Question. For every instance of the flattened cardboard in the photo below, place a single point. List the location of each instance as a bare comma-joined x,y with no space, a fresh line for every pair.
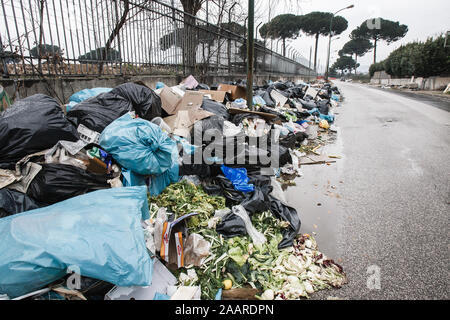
218,96
181,123
190,100
236,91
279,99
312,92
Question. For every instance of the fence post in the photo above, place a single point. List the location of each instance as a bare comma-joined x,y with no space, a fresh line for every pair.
5,67
250,52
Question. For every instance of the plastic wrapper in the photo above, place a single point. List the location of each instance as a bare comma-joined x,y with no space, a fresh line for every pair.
257,237
196,249
97,235
30,125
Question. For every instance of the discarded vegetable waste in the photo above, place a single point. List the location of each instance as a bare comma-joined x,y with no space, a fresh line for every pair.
188,229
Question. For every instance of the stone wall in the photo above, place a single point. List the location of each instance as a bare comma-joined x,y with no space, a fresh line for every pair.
63,88
431,83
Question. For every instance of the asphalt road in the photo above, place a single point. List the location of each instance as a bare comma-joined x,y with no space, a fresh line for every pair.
386,205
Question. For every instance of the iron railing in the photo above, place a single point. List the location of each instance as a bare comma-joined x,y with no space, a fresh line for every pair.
124,37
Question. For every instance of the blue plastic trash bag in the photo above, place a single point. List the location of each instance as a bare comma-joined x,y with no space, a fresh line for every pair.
131,179
187,147
159,182
329,117
139,145
97,235
238,177
161,296
258,101
84,94
218,295
142,147
335,97
160,85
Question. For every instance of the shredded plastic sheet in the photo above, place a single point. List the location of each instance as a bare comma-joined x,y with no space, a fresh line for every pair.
97,235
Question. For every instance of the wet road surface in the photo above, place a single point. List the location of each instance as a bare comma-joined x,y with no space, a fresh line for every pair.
386,204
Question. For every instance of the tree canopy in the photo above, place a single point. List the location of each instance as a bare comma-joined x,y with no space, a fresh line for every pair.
318,23
388,31
345,63
357,47
284,26
112,55
47,50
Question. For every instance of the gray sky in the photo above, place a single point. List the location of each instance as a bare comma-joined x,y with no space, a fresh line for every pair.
423,18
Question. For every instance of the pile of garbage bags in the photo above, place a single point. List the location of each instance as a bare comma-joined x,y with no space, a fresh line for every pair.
104,188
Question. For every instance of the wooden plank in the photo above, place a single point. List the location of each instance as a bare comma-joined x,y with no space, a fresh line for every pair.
240,294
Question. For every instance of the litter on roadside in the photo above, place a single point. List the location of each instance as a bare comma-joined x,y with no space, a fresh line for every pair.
113,192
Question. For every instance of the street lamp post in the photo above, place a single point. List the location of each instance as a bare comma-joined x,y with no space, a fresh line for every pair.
329,41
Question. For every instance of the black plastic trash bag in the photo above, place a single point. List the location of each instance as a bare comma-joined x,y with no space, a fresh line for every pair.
256,201
286,213
239,117
145,101
231,226
267,98
323,106
309,105
57,182
30,125
215,107
98,112
292,138
213,123
202,86
12,202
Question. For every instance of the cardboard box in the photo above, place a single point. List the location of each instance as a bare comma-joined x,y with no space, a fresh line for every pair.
169,99
218,96
172,102
235,91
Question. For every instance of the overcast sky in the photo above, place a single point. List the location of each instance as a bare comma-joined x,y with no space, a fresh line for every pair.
423,18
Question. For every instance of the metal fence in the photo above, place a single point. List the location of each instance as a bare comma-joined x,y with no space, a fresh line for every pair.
79,38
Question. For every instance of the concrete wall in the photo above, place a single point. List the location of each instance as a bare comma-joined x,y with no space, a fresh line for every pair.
63,88
431,83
